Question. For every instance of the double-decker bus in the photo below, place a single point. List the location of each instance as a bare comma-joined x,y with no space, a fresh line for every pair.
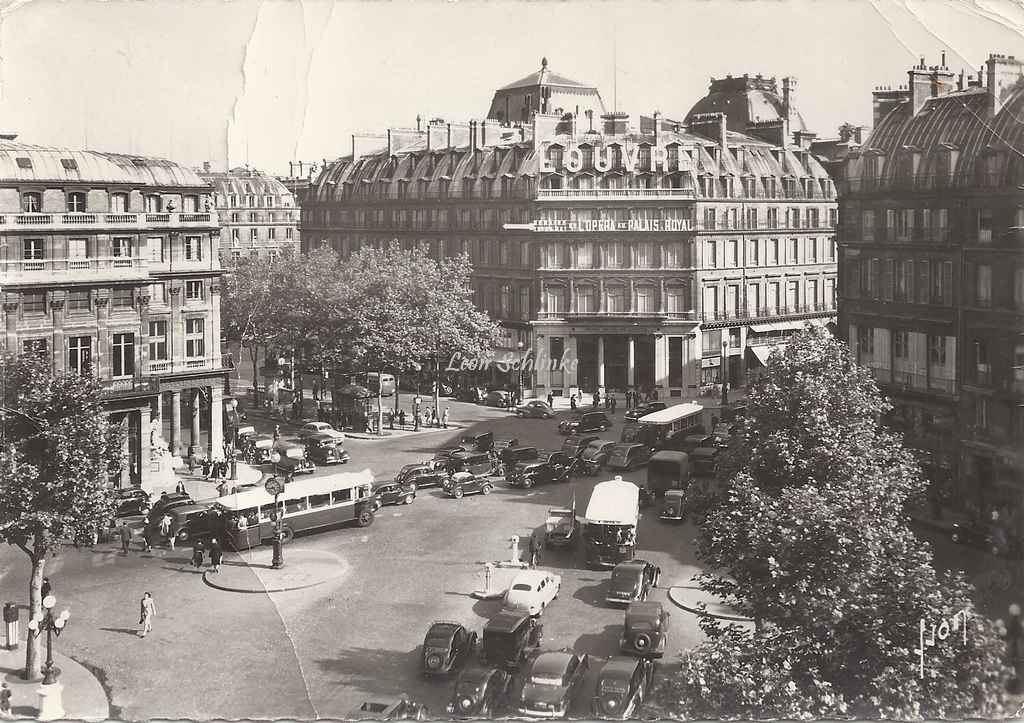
666,428
247,518
609,530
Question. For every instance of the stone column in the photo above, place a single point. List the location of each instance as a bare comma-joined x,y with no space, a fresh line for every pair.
631,304
661,361
216,422
572,295
158,406
175,441
662,306
176,330
196,397
600,361
215,323
631,361
144,447
572,364
60,356
101,364
11,325
602,305
142,348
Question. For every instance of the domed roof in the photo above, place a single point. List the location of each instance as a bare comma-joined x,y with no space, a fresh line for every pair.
747,99
544,77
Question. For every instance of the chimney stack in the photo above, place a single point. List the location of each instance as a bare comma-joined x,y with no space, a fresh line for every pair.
789,95
449,136
472,135
657,123
206,166
1005,73
419,122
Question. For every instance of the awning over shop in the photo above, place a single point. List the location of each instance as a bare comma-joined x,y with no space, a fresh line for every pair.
786,325
763,352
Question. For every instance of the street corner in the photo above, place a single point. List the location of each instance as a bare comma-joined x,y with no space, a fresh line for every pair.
691,598
81,693
252,571
391,434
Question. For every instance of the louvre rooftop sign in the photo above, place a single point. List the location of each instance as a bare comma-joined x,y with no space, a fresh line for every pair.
604,158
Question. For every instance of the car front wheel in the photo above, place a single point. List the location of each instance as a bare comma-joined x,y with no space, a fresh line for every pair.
457,493
408,499
486,489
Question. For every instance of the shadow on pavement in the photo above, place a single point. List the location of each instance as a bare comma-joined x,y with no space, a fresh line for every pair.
487,609
126,631
604,644
592,595
382,674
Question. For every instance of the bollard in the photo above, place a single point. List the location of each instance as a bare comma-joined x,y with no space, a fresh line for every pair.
488,573
514,551
11,625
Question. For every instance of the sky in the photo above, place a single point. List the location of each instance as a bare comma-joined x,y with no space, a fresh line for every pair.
265,82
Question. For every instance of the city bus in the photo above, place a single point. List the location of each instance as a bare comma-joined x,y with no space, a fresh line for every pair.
609,529
666,428
311,504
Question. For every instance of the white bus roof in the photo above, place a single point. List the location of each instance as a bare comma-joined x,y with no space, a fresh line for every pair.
258,496
671,414
615,501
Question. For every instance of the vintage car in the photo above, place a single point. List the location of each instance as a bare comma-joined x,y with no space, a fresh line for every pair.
259,449
534,409
508,638
549,466
704,460
668,470
585,422
421,476
551,683
132,502
622,685
693,441
561,528
291,465
401,709
531,591
645,630
447,646
512,455
632,581
595,456
312,428
326,449
628,456
480,692
244,433
672,505
498,398
644,409
477,463
167,499
191,522
466,483
393,493
574,445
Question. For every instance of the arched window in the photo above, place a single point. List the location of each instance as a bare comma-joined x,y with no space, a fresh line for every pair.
555,156
677,300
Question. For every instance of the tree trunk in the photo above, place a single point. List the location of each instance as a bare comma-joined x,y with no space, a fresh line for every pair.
299,388
380,402
33,663
254,354
437,388
397,407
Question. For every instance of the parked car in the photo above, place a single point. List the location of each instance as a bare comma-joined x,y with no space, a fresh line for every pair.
668,470
480,692
531,591
644,409
469,394
704,460
467,483
551,683
672,505
628,456
508,639
595,456
632,581
498,398
401,709
132,503
645,630
534,409
548,467
169,498
574,445
326,449
424,477
477,463
294,465
393,493
622,686
585,422
447,646
511,455
310,429
258,449
191,522
561,528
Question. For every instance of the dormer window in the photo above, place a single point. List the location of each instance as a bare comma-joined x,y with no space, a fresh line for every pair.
555,156
23,162
69,164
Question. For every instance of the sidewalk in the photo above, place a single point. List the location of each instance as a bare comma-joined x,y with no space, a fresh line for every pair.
83,695
397,433
689,597
251,572
200,488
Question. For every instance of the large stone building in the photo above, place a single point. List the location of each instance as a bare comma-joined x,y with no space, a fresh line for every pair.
109,267
258,214
635,251
933,274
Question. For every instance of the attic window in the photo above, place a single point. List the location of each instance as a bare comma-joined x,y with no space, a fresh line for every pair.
139,162
24,162
70,164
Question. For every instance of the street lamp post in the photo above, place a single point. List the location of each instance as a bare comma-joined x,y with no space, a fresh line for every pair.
275,487
53,626
520,345
1015,648
725,373
232,407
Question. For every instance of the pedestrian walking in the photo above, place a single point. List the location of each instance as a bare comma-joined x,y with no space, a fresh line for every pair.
597,399
551,399
146,534
5,702
165,530
401,418
433,418
612,403
277,432
147,611
444,418
216,555
206,467
126,536
607,401
198,554
45,589
180,487
191,463
572,402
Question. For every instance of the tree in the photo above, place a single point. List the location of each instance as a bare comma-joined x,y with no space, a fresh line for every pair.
808,535
59,450
402,309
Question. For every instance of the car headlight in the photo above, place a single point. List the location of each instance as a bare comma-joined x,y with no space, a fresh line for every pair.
466,703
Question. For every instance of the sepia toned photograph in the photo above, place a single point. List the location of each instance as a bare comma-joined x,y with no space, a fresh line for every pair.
466,360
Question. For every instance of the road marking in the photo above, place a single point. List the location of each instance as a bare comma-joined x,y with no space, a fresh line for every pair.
396,514
364,538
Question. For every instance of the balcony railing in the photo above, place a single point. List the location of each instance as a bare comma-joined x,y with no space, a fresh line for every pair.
130,385
182,365
766,312
691,315
105,220
101,266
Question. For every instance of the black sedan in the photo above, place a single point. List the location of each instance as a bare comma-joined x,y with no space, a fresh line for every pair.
548,467
585,422
550,684
447,646
644,409
536,409
131,503
431,474
632,581
480,692
393,493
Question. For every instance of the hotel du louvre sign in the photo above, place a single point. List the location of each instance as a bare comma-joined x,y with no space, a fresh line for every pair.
605,158
659,225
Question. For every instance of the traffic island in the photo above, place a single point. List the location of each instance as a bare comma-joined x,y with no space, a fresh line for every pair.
82,694
397,433
252,571
692,599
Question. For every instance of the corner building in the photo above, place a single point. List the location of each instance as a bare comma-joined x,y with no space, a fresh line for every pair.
933,275
109,267
634,249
